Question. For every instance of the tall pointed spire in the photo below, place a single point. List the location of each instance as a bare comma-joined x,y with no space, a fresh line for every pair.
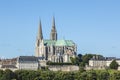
53,24
53,34
40,35
39,39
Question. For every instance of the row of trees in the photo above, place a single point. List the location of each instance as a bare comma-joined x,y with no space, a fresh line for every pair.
59,75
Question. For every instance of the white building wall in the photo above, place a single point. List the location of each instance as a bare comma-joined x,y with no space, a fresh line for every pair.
118,61
66,57
28,66
108,62
91,63
95,63
42,63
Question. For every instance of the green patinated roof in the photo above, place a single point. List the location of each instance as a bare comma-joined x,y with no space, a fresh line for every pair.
59,42
70,42
49,42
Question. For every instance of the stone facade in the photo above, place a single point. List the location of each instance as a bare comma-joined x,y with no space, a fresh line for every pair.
52,49
64,68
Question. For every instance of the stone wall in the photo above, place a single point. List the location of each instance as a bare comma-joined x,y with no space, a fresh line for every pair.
63,68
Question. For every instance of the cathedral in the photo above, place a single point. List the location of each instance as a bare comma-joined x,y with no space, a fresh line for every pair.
52,49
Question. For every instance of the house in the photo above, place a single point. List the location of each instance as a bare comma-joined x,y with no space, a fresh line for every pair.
27,63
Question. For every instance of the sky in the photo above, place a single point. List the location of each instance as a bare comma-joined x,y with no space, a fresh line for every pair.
94,25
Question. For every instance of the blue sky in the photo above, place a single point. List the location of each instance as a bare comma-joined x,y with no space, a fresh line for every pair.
94,25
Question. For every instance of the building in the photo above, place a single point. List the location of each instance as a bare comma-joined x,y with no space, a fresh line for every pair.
98,62
8,64
20,63
27,63
52,49
42,62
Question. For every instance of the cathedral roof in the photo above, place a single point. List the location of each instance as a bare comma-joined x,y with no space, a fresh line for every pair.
49,42
59,43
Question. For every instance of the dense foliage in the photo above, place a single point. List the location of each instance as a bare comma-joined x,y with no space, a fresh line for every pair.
59,75
114,65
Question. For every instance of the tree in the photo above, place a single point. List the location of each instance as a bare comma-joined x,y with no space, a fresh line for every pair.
83,76
80,57
114,65
47,75
81,69
68,76
75,60
115,75
8,75
91,75
1,73
103,75
86,58
59,75
22,74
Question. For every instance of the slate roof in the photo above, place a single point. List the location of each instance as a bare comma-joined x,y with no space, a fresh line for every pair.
27,59
110,58
106,58
8,66
41,58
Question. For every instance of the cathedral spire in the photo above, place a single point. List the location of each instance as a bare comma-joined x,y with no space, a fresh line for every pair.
53,24
39,39
53,34
40,35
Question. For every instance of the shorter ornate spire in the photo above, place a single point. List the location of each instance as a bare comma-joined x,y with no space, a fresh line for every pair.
53,34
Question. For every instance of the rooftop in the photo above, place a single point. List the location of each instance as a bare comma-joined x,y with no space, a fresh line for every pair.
59,42
27,58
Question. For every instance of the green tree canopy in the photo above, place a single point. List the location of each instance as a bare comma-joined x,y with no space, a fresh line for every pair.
8,75
103,75
114,65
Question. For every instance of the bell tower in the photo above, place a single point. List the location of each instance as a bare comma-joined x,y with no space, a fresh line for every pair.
39,40
53,34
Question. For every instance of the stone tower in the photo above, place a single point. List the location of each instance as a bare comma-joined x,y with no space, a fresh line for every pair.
39,39
53,34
